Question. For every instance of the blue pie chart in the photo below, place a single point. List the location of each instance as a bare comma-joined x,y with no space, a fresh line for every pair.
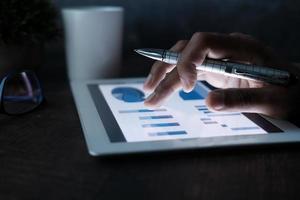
128,94
193,95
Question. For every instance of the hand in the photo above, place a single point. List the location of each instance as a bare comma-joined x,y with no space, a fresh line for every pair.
235,94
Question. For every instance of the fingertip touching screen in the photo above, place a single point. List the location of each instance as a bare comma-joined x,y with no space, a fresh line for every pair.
184,116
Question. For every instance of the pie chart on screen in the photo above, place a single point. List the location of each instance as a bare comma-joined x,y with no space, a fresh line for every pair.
128,94
193,95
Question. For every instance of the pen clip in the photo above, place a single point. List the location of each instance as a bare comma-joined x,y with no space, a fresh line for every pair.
261,77
251,75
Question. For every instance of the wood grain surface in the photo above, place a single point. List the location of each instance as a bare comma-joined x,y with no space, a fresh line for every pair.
43,155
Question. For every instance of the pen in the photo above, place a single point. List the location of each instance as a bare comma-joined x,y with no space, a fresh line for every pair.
238,70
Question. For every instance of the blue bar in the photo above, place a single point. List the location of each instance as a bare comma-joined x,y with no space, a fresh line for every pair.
141,111
224,114
157,117
223,125
201,109
210,122
201,106
160,125
244,128
205,119
207,112
167,133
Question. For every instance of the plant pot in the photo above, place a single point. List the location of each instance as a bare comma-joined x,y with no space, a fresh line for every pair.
20,57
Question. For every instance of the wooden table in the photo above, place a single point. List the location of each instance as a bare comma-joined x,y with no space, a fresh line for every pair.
43,155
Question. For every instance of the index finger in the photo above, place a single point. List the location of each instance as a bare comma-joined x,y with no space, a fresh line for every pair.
164,90
160,69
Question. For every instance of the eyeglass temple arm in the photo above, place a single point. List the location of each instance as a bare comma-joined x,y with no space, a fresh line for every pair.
27,83
1,88
20,98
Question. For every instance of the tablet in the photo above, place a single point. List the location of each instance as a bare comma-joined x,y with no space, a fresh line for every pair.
115,120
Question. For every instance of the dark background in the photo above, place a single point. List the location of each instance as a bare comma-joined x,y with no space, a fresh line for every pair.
43,155
160,23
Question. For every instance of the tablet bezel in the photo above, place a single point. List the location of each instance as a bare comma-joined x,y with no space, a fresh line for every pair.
99,143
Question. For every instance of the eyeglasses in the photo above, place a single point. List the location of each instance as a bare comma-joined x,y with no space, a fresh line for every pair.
20,93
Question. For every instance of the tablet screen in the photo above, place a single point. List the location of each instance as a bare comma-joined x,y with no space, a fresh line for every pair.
184,115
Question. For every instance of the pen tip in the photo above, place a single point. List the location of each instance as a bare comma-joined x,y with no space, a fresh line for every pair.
137,51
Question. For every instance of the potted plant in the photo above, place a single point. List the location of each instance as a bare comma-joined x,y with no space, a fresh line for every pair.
25,26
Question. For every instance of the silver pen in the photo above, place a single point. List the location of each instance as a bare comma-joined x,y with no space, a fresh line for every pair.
238,70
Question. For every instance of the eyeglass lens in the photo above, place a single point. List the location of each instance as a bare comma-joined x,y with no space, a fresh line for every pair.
22,93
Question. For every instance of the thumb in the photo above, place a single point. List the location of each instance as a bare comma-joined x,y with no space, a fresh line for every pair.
269,101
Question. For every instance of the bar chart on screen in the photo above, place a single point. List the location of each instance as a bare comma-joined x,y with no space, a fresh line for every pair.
220,118
184,115
156,122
